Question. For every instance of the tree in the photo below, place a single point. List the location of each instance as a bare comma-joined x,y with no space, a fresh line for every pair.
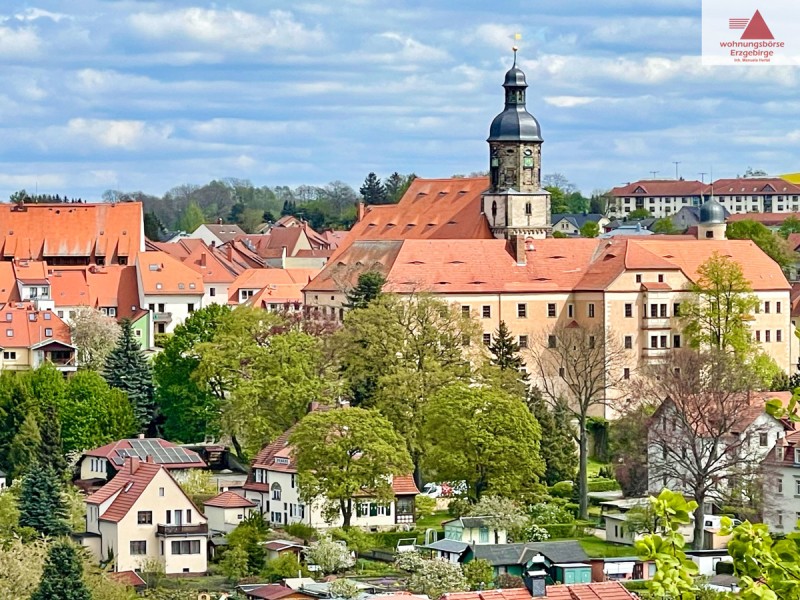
599,202
716,317
694,438
344,588
93,414
62,577
263,371
394,185
436,577
590,229
559,235
340,453
579,365
369,287
285,566
506,581
628,447
577,204
640,213
373,191
191,218
189,408
126,369
501,514
41,505
329,556
26,446
51,446
751,172
153,227
558,438
95,335
664,226
235,564
771,243
479,573
484,437
789,225
505,351
249,536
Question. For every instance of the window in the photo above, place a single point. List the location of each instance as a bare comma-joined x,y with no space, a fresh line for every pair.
522,310
763,439
676,309
778,335
653,311
48,332
767,335
766,307
628,342
551,341
483,535
797,455
486,311
186,546
137,333
570,310
465,341
190,306
276,491
138,547
779,486
212,292
778,307
654,341
9,333
676,341
60,314
528,209
797,487
10,355
629,310
551,310
188,515
626,373
161,491
758,335
144,517
32,317
465,311
47,316
591,310
638,278
561,371
663,311
663,341
591,341
523,341
660,278
780,519
487,338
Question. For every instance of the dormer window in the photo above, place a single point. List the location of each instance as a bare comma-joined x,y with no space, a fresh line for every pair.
281,461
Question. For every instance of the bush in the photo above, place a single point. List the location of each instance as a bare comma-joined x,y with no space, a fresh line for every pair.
302,531
425,505
574,508
357,540
160,339
603,485
544,513
389,539
563,489
506,581
458,507
567,530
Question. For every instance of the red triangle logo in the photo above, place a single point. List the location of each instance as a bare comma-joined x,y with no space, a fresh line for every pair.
757,29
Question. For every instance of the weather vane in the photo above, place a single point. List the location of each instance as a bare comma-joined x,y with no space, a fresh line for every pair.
517,37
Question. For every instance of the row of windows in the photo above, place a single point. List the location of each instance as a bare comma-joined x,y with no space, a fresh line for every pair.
139,547
766,307
522,341
768,335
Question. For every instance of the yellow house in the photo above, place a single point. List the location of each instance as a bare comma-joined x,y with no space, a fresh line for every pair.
143,515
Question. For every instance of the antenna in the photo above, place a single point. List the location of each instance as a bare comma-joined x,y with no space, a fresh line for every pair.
702,176
676,163
654,173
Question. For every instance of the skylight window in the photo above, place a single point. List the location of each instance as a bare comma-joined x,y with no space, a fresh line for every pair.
153,267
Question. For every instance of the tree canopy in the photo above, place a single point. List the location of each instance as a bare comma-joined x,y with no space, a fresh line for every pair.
771,243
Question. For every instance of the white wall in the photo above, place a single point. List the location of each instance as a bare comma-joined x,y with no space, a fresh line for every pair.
177,305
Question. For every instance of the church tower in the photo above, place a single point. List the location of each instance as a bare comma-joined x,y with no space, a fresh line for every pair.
516,204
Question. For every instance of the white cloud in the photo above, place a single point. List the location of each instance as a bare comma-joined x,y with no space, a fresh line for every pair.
413,50
32,14
117,133
19,43
568,101
247,129
228,29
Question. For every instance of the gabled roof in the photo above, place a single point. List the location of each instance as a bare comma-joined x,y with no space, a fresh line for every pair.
276,285
567,551
430,209
229,500
29,327
130,578
404,484
446,545
470,522
754,185
272,591
577,219
766,219
606,590
224,232
160,451
271,245
37,231
662,187
161,274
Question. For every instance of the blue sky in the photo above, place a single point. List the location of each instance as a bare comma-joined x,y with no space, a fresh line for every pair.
132,95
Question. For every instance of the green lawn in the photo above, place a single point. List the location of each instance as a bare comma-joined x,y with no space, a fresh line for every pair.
433,521
597,548
594,467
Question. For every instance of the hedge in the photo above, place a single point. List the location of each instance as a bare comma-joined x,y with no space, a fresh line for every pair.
603,485
567,530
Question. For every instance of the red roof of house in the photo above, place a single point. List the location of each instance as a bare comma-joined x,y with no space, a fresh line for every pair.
211,263
229,500
275,285
766,219
499,594
130,578
607,590
272,591
38,231
404,484
23,326
662,187
161,451
161,274
754,185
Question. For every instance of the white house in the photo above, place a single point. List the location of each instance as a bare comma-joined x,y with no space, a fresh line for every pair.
272,485
168,288
143,515
473,530
216,233
226,510
782,484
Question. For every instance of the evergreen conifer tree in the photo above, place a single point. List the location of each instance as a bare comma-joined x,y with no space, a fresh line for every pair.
24,449
127,369
505,351
373,191
51,448
394,187
41,505
558,449
62,577
368,288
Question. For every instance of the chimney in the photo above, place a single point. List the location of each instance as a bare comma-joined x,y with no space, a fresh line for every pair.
203,259
140,436
219,220
149,459
283,257
360,210
134,464
518,245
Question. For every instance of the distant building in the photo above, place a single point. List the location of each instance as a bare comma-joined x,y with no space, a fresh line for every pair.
570,224
226,510
216,233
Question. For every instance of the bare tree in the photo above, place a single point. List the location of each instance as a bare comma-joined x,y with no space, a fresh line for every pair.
95,335
711,433
580,365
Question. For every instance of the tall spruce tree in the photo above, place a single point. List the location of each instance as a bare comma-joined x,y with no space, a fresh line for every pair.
368,289
558,448
41,504
62,577
127,369
23,452
505,351
51,448
373,191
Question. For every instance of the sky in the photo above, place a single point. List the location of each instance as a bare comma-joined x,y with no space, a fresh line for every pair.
146,96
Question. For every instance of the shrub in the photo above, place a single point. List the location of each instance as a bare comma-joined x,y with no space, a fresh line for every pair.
563,489
425,505
357,539
458,507
545,513
301,530
603,485
574,508
506,581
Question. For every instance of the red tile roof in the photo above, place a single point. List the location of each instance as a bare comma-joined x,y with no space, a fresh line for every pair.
39,231
276,285
29,326
272,591
499,594
210,262
766,219
607,590
754,185
96,287
404,484
115,452
130,578
662,187
430,209
225,232
161,275
229,500
270,245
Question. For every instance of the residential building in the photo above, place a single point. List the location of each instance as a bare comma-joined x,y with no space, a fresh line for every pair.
570,224
168,288
772,221
660,197
31,337
271,289
226,510
102,464
519,559
473,530
143,515
277,548
216,234
782,484
273,486
757,195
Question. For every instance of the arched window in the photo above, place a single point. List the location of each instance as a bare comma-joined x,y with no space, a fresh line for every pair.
494,208
276,491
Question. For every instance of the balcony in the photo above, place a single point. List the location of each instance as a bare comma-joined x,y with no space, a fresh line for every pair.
655,353
162,317
182,530
656,323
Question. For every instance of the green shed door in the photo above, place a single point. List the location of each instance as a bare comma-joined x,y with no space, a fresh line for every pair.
569,576
583,575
